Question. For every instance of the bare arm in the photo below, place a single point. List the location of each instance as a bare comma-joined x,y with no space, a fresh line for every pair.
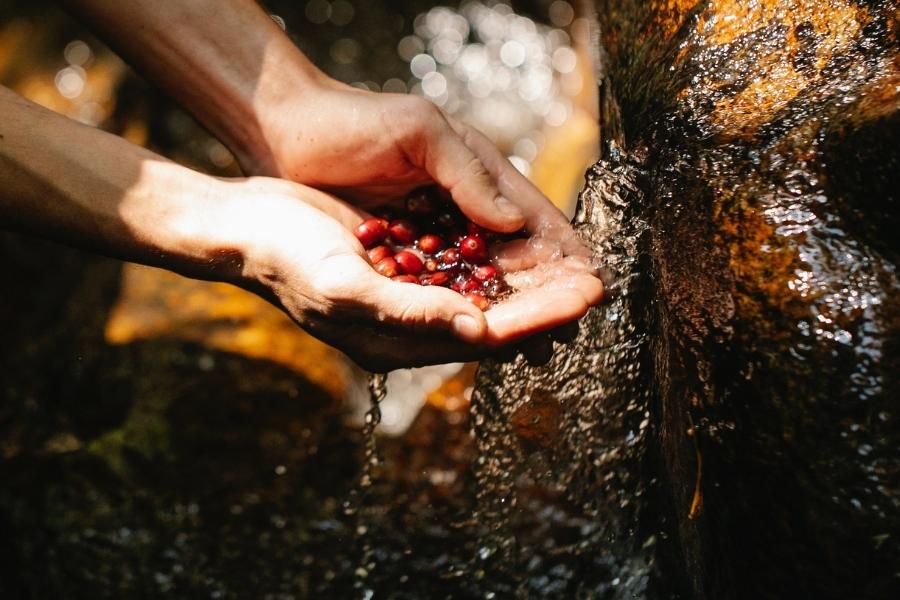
70,183
237,72
225,60
229,64
63,181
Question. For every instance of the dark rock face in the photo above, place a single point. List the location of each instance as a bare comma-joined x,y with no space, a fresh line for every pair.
728,421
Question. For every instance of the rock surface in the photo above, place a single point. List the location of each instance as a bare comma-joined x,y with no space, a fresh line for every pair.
729,418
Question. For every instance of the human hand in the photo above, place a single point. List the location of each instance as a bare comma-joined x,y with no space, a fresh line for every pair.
301,255
372,149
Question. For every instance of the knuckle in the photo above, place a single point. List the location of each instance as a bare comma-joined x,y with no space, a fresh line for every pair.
425,314
411,315
475,169
416,118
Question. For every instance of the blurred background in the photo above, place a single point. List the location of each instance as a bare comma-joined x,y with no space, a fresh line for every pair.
159,434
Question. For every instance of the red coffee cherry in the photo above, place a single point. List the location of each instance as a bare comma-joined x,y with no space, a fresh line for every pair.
387,267
431,265
431,244
409,262
405,279
447,220
420,204
478,300
484,272
450,257
378,253
402,231
439,278
465,284
473,249
371,232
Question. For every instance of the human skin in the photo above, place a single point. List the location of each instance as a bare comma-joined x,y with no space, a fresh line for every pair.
287,242
232,67
237,72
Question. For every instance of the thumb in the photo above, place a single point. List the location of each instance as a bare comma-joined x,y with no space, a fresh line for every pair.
423,309
453,165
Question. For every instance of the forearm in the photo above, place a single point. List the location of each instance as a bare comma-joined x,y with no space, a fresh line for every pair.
225,60
80,186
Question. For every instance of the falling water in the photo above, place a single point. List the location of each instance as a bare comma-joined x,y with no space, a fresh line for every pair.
359,505
571,434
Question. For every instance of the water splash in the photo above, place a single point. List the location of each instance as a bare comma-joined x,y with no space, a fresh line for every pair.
570,437
359,505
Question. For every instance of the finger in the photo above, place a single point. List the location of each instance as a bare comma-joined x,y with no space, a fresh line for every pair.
520,254
537,350
418,309
537,208
456,168
557,276
505,354
565,334
532,312
383,352
541,215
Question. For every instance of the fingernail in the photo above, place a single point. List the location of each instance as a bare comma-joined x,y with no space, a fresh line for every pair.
466,327
508,209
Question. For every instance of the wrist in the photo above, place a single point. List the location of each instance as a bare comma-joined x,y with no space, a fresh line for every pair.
286,83
176,216
236,226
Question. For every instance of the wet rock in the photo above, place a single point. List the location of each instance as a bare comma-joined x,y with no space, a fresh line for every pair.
735,398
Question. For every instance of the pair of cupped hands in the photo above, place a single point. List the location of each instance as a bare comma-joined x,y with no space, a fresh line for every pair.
352,150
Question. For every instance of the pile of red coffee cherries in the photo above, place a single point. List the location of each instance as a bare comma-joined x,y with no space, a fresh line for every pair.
433,243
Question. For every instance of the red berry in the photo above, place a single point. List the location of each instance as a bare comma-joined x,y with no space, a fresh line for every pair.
371,232
420,203
473,249
450,256
484,272
405,278
431,265
431,244
439,278
478,300
402,231
387,267
377,253
409,262
447,220
464,285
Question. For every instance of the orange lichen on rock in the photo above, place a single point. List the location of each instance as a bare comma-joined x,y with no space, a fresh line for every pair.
762,267
669,15
878,98
829,28
759,101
